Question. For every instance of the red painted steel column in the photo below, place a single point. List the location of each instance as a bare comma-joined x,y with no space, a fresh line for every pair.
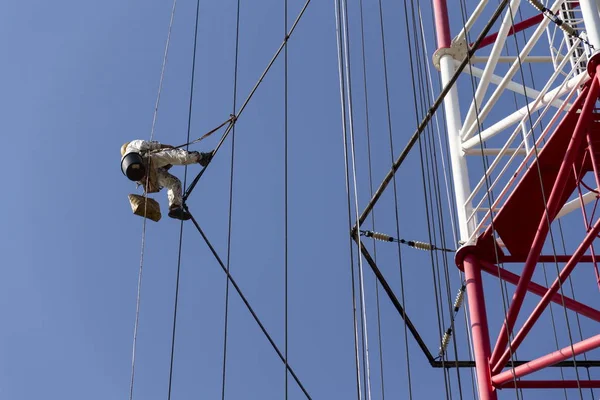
553,208
548,360
442,24
479,328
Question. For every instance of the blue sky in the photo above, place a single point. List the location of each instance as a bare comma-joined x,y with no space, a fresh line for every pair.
80,79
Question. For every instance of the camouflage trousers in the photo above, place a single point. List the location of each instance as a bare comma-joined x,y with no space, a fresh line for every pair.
166,157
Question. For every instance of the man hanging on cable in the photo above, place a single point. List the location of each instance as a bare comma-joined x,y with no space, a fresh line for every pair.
148,162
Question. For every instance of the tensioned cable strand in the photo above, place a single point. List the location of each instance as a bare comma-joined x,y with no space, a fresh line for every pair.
143,244
430,95
162,70
285,189
437,203
230,218
429,189
338,26
349,97
243,107
189,129
369,165
247,304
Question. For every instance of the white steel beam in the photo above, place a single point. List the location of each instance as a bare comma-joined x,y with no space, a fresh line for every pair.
576,204
495,152
518,115
488,71
512,85
469,130
471,21
510,59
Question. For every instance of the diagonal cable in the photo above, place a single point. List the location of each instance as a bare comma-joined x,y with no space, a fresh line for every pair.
243,106
247,304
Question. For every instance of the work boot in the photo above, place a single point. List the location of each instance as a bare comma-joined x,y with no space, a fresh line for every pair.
205,158
178,212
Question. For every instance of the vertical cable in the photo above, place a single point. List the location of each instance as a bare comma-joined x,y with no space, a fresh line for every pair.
337,5
285,67
430,94
230,218
143,244
395,189
365,338
427,169
451,209
189,129
368,134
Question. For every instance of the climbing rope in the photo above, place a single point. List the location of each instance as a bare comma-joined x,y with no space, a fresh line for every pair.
230,120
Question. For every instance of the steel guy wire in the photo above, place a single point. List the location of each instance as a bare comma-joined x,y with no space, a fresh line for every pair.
143,244
338,10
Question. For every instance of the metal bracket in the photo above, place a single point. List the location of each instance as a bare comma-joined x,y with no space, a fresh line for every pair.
458,50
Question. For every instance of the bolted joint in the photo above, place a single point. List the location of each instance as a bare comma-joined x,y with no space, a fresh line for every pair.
458,51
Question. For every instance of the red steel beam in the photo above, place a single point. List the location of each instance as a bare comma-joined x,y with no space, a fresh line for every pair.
540,290
539,309
479,327
553,206
548,259
521,26
531,384
546,361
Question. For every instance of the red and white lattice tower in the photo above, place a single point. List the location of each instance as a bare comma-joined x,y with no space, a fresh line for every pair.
533,203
